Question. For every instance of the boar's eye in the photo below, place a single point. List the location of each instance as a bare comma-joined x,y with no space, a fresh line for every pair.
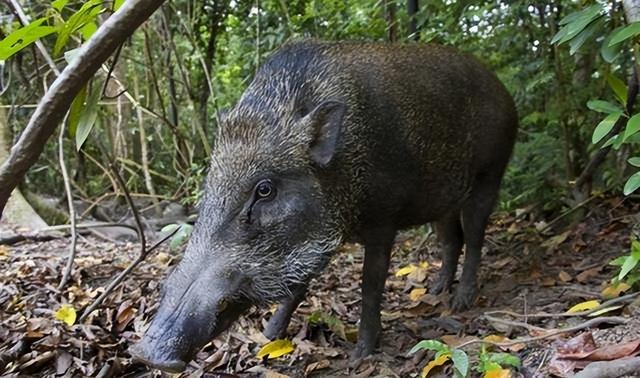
265,190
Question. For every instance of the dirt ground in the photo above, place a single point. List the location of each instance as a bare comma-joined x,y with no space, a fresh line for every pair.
522,271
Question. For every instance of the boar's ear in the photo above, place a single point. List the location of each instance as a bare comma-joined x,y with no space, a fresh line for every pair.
325,122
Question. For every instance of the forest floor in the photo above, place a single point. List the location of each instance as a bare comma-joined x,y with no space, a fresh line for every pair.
522,272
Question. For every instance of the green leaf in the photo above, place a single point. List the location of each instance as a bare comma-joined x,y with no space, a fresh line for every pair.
632,184
635,161
619,261
23,37
460,361
610,141
626,32
577,23
490,365
617,142
434,345
633,126
628,265
59,4
610,53
505,359
88,116
618,87
76,110
88,29
86,14
603,106
572,17
583,37
117,4
604,127
169,228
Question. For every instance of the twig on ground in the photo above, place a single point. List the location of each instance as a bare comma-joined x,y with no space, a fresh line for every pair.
72,211
564,214
144,252
20,348
551,333
610,302
610,369
514,323
123,274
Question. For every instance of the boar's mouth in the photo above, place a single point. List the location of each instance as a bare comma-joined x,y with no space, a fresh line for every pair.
175,337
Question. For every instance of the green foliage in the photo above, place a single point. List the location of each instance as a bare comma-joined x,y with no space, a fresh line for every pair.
83,20
576,24
331,321
629,269
87,115
458,356
611,43
23,37
492,361
181,235
487,361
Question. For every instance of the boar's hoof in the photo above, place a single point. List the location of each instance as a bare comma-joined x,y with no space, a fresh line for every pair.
442,284
464,297
276,328
363,349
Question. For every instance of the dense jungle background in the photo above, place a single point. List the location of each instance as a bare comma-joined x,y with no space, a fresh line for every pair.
125,171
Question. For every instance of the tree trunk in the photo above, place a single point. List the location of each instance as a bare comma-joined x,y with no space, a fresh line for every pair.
17,212
390,16
412,9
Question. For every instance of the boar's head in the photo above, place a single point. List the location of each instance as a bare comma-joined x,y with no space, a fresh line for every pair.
268,222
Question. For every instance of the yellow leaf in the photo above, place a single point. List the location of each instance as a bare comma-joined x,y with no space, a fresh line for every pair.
605,310
433,363
405,270
614,291
424,265
275,349
67,314
584,306
498,373
417,293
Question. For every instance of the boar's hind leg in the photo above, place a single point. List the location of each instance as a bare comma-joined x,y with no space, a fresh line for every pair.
475,214
449,231
277,326
377,250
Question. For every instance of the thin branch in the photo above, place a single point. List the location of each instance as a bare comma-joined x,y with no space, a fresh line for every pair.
625,298
525,340
123,274
72,211
144,252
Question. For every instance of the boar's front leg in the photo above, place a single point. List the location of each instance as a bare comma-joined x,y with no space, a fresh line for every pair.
277,326
377,251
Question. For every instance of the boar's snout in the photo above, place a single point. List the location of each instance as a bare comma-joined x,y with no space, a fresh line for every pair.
187,319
